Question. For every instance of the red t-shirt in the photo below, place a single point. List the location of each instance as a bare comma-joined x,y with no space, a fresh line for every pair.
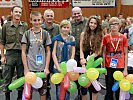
110,50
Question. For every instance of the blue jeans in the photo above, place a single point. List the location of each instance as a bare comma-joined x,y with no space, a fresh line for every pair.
67,96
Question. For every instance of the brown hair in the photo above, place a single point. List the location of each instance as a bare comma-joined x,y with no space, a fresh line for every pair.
96,39
15,7
35,13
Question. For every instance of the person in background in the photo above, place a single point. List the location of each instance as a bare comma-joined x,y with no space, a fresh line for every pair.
53,29
9,18
37,57
61,52
90,44
98,16
120,16
1,23
115,56
130,39
128,21
4,19
105,24
10,40
123,27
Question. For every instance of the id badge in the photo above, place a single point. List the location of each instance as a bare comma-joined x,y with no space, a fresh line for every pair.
113,63
39,59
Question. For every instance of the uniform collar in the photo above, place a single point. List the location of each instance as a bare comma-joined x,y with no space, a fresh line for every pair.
78,21
12,24
44,26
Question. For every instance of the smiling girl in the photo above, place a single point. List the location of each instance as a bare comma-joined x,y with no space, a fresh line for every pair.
90,44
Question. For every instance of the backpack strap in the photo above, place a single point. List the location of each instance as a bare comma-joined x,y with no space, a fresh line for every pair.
44,35
27,35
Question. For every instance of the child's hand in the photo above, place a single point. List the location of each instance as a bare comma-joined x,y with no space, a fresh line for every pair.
26,70
46,71
3,60
125,72
59,70
82,61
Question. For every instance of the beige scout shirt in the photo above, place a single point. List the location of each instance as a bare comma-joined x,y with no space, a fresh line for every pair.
11,35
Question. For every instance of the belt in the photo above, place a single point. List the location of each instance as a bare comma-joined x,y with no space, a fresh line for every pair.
14,50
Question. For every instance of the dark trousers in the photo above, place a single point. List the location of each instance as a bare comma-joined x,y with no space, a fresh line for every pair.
110,82
13,61
51,64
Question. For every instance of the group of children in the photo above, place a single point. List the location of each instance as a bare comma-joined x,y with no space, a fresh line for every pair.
115,49
36,45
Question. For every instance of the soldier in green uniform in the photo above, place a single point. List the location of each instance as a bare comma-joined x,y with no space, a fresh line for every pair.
53,29
11,35
78,24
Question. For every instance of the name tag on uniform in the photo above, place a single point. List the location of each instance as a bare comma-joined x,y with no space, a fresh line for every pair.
113,63
39,59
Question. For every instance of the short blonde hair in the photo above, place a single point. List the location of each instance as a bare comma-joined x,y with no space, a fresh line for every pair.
65,22
114,19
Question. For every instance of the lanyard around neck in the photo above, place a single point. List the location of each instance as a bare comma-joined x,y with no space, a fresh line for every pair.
113,43
37,41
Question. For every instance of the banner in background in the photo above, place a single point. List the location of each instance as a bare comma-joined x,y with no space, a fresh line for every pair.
10,3
127,2
94,3
49,3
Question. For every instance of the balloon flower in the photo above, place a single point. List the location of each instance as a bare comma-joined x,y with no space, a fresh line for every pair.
125,84
20,81
66,77
92,73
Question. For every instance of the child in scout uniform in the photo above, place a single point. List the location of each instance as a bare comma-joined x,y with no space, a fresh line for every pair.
37,57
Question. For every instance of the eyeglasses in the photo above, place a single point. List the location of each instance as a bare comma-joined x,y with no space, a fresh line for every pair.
114,24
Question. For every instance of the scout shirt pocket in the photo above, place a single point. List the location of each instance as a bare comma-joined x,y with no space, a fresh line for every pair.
10,36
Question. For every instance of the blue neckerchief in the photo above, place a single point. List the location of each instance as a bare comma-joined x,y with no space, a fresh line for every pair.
65,47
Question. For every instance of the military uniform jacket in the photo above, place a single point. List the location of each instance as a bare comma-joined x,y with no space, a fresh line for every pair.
11,35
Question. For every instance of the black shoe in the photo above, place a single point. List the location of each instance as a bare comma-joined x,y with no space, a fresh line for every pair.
7,96
48,93
19,95
48,98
